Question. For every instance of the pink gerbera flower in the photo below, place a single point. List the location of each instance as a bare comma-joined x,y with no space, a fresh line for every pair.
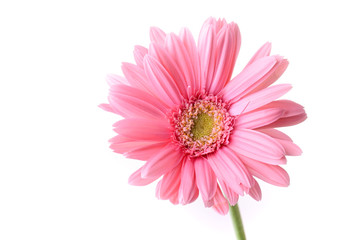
201,133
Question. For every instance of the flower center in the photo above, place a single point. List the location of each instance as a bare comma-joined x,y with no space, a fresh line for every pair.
202,125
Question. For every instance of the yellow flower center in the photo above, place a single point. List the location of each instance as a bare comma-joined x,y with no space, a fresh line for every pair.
203,126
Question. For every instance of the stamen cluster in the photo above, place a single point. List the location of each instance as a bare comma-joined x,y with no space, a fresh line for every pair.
202,125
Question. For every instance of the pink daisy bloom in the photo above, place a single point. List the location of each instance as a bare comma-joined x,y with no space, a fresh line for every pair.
196,129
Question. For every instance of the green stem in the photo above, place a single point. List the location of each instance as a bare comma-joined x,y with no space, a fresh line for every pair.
237,222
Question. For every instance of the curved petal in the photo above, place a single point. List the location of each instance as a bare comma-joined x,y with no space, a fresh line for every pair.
205,179
188,191
294,113
157,35
269,173
168,186
290,108
135,103
136,77
176,49
227,49
133,92
136,179
288,121
162,82
190,45
275,133
255,191
232,196
290,148
246,79
113,79
264,51
229,168
106,107
145,152
124,146
174,199
258,118
259,99
221,205
164,161
257,145
158,51
139,54
143,129
116,107
273,75
207,53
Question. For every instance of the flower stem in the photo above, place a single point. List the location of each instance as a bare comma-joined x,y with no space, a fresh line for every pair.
237,222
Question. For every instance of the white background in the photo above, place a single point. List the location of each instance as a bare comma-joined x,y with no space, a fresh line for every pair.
59,179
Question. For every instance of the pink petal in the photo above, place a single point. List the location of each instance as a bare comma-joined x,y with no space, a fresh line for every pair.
290,108
258,118
264,51
221,205
162,82
176,49
272,75
188,191
106,107
275,133
120,139
247,79
218,24
290,148
288,121
157,35
205,179
116,107
229,168
255,191
139,54
190,45
127,145
145,152
164,161
121,144
136,179
207,53
208,203
136,77
116,90
143,129
232,196
174,199
113,79
257,145
269,173
227,49
259,99
163,56
169,185
135,103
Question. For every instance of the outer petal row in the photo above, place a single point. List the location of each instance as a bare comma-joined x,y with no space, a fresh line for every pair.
278,69
247,79
258,146
218,45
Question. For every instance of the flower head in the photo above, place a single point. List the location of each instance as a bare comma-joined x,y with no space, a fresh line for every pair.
194,128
